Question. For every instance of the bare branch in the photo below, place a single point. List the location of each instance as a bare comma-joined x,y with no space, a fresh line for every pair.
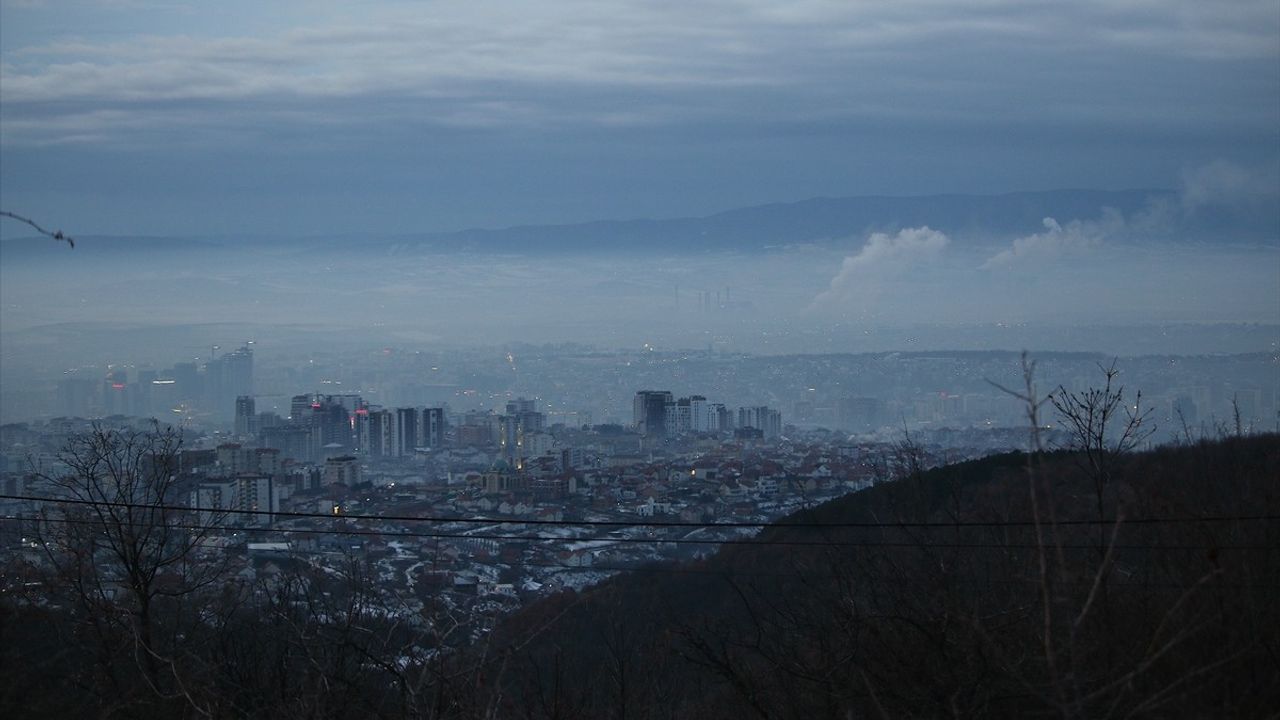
55,234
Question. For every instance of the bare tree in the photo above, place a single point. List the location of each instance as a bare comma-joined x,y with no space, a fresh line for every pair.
122,543
54,234
1102,427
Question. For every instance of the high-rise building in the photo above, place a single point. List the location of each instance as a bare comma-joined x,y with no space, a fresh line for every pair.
536,444
333,422
433,427
350,401
293,441
699,418
329,421
266,420
255,496
245,418
187,384
521,405
113,392
376,432
267,461
515,430
762,418
213,499
679,419
140,393
417,428
227,378
526,414
649,412
300,408
408,431
233,459
237,372
75,397
344,470
719,417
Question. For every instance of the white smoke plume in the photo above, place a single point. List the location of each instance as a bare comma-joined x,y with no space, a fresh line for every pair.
1217,184
883,256
1057,240
1223,183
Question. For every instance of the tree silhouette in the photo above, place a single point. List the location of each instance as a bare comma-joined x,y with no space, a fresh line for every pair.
119,539
55,234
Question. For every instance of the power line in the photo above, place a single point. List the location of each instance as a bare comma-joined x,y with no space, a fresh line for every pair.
648,523
750,542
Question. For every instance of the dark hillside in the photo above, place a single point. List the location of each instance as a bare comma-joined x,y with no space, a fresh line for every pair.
939,595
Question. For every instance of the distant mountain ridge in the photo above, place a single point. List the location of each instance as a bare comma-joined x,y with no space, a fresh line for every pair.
760,227
755,228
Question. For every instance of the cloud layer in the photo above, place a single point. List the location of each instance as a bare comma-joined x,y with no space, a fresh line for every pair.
401,116
606,63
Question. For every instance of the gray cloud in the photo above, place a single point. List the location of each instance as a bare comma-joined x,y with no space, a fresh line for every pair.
129,116
473,64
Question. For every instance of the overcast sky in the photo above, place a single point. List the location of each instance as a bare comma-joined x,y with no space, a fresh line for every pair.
122,116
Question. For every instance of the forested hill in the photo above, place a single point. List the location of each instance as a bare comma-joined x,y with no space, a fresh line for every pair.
989,588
